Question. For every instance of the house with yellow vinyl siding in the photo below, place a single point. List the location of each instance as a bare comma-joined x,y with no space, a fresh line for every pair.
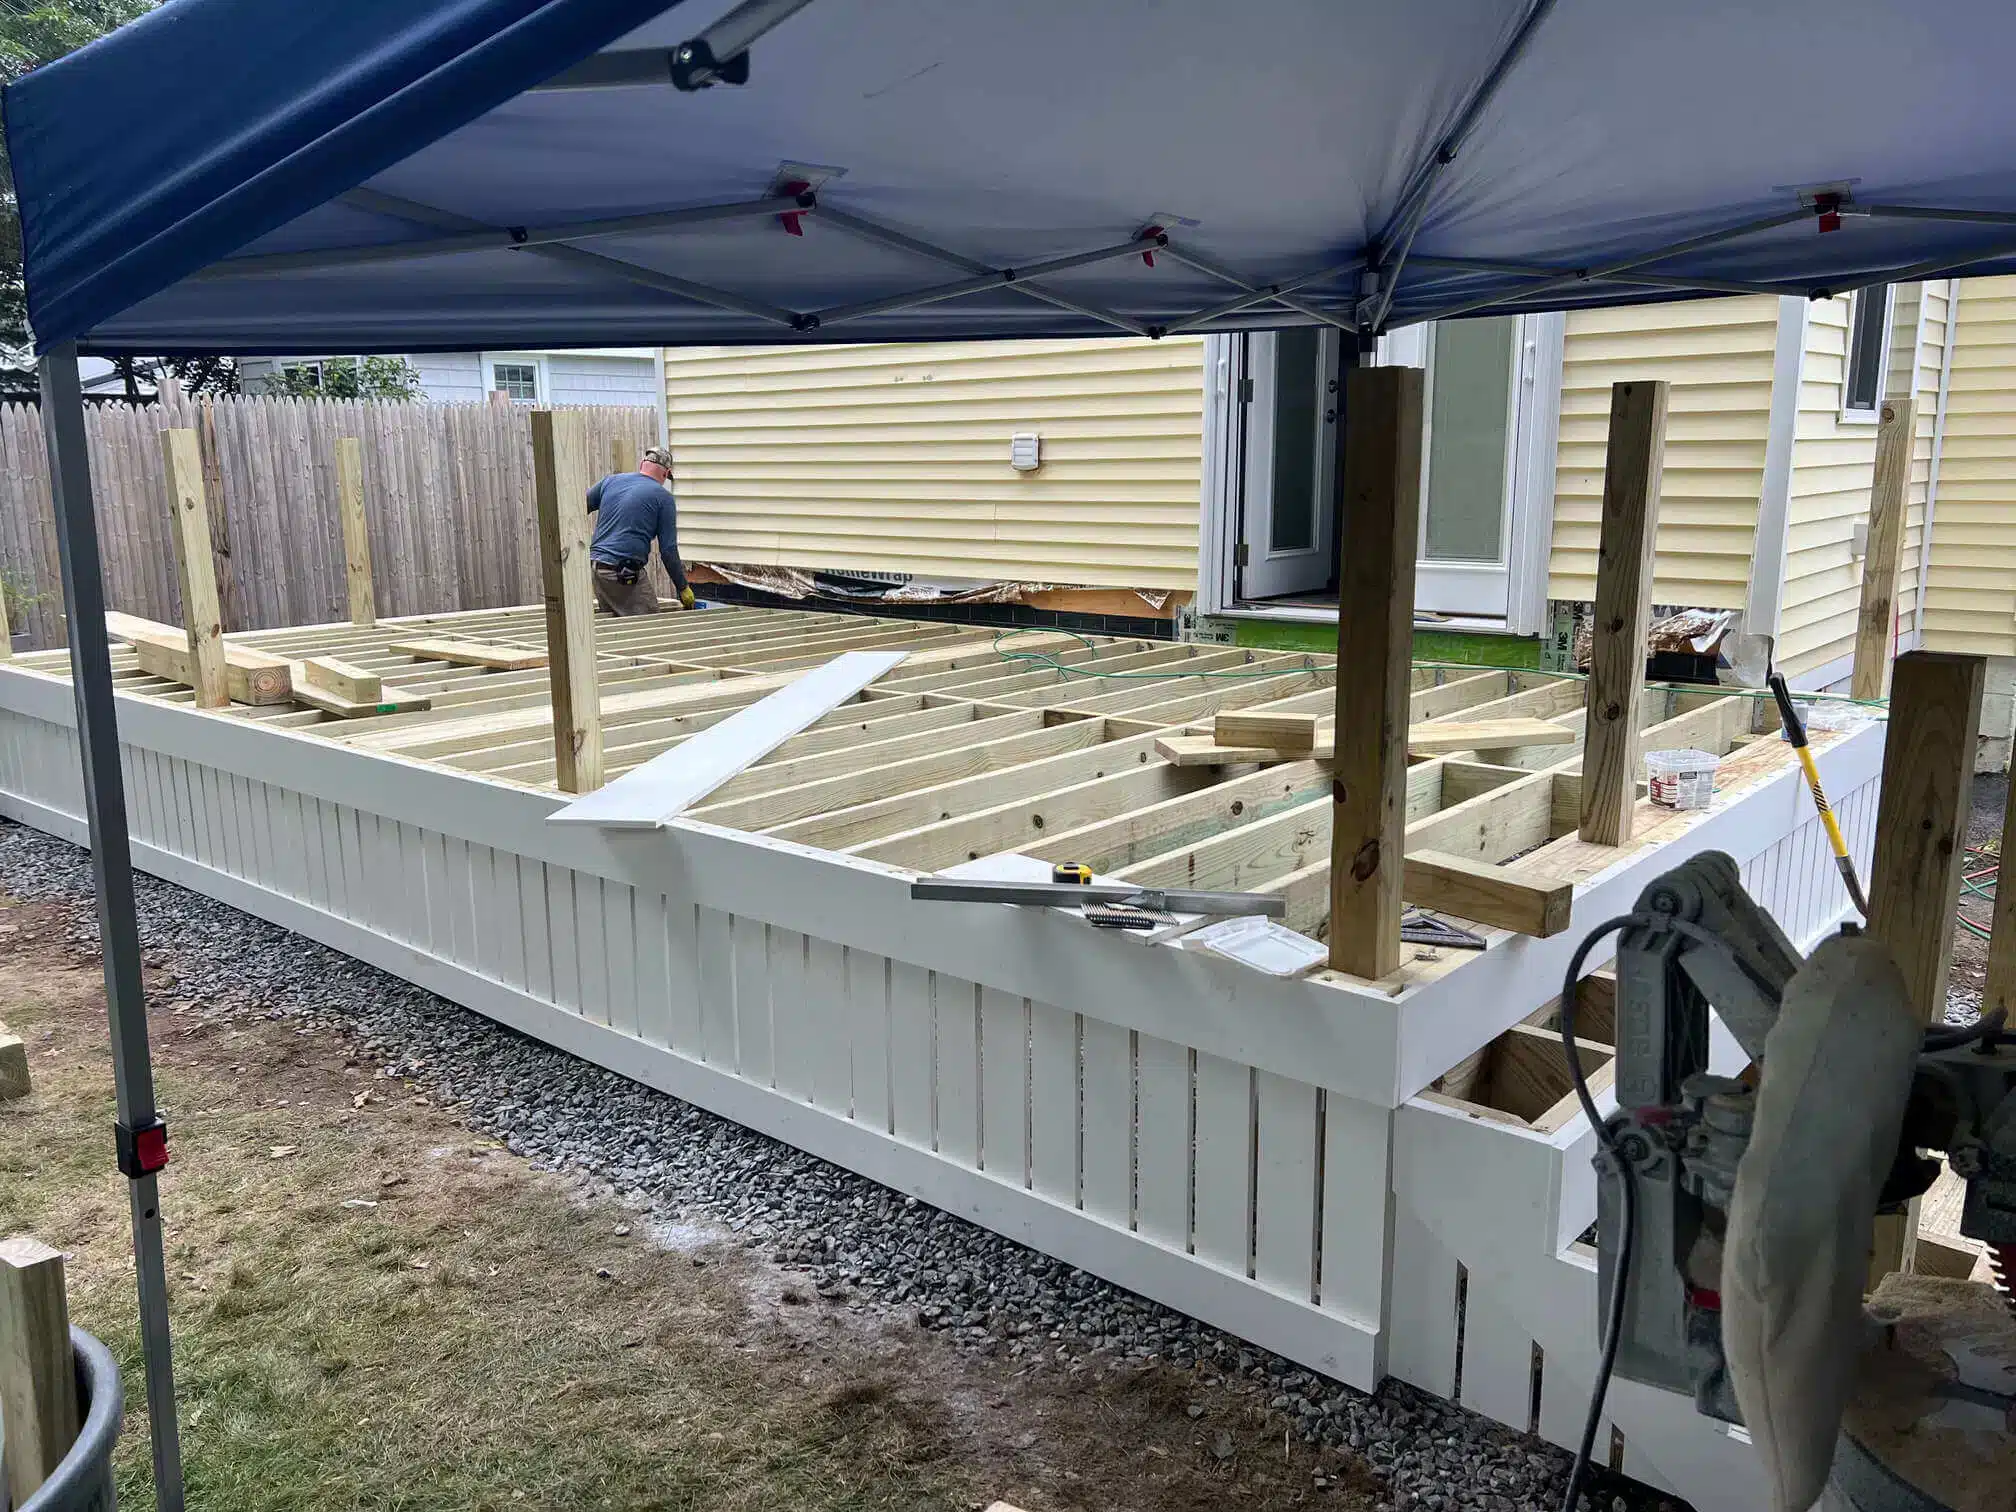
1199,471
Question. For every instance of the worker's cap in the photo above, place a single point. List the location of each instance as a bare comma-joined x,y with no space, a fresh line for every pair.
661,455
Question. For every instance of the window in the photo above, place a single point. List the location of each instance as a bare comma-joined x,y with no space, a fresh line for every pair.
517,381
1868,351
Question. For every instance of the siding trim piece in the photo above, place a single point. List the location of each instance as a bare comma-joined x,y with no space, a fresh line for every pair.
1924,589
1216,520
1765,600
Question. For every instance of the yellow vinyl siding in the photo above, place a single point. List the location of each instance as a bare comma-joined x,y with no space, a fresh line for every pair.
1970,595
1718,356
1832,462
1918,347
894,458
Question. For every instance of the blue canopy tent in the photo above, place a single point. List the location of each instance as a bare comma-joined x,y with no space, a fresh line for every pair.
399,175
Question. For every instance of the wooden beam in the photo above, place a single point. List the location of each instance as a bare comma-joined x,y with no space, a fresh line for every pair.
195,567
468,653
1631,474
250,677
559,460
1379,513
1487,894
38,1376
353,682
1875,625
1241,739
1921,829
356,538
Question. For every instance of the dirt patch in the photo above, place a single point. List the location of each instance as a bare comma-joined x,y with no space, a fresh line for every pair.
374,1307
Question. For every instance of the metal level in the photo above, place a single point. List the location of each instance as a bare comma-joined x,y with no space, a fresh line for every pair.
1069,894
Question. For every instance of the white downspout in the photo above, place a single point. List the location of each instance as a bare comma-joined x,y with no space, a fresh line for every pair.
1765,601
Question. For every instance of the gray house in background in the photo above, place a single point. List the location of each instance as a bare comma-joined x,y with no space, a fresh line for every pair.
589,375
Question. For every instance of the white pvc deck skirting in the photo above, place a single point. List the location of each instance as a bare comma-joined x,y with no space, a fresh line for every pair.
1248,1150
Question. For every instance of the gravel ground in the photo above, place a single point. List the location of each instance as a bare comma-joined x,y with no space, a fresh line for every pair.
855,1242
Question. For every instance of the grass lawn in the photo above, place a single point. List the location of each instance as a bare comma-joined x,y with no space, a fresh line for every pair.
375,1308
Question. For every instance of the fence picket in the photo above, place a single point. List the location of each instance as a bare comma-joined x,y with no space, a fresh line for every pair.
447,494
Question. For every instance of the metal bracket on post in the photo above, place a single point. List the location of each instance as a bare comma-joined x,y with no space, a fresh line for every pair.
112,869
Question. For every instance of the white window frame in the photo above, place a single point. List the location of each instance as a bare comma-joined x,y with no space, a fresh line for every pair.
1854,414
534,360
1530,477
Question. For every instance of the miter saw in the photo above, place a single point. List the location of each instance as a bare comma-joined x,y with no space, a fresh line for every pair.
1735,1214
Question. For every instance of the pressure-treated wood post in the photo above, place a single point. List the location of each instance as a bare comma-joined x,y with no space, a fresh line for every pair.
2000,989
356,537
1631,470
1884,548
202,617
231,611
1379,522
1921,828
559,459
38,1376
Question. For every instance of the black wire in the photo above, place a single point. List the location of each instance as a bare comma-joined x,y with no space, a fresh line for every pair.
1628,1189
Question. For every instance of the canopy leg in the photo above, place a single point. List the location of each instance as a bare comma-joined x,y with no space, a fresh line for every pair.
112,870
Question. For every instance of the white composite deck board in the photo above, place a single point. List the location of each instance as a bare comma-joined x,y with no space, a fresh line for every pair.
677,779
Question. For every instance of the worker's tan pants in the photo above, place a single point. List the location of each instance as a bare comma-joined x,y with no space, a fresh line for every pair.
623,598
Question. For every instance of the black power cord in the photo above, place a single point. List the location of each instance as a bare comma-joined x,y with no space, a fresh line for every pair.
1628,1189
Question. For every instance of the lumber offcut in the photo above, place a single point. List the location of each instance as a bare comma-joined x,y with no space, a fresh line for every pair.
469,653
250,677
1488,894
38,1379
14,1078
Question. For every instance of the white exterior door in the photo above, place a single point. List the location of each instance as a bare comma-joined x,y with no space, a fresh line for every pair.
1287,474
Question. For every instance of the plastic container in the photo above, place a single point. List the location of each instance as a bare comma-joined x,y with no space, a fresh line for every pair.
1682,779
83,1481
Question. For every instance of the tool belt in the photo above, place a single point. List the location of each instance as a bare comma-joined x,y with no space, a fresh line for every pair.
625,573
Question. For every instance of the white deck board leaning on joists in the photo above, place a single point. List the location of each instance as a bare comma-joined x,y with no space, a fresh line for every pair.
679,778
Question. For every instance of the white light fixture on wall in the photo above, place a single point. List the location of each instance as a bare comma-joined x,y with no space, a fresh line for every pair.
1025,451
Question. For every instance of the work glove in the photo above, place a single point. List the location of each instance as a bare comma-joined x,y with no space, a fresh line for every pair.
685,598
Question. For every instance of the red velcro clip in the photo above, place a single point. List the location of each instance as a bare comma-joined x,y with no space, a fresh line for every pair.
1146,232
793,221
1828,208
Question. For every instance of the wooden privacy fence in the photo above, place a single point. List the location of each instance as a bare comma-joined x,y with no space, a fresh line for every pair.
447,497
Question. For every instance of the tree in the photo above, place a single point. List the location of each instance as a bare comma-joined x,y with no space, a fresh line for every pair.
346,378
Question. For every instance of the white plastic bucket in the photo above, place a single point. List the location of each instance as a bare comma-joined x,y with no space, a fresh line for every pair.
1682,779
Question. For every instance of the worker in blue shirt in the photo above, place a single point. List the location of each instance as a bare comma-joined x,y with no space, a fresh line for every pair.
631,509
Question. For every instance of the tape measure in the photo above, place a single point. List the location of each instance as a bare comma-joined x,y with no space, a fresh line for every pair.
1071,873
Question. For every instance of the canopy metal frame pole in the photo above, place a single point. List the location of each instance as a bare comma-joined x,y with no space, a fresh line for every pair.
380,203
1281,294
112,873
1396,238
887,236
508,238
1255,296
998,279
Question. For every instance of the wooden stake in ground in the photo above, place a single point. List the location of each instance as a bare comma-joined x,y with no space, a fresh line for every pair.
1631,471
38,1378
1885,547
1379,513
1921,828
202,616
356,539
559,458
